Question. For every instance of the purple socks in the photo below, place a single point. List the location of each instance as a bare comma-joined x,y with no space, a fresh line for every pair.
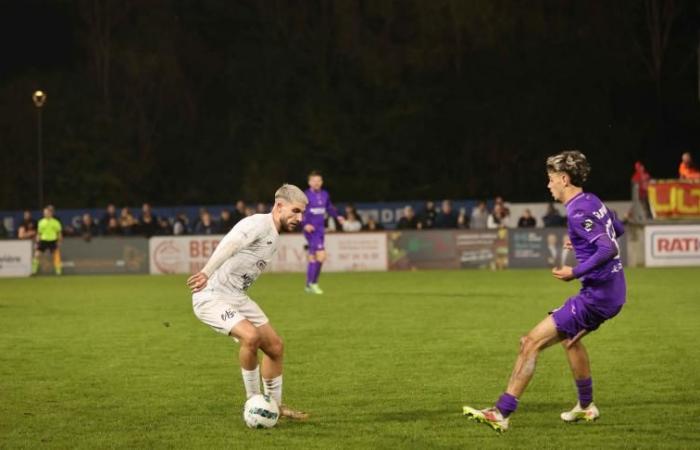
585,391
313,271
506,404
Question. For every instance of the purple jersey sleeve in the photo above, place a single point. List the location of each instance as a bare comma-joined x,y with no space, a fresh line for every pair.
605,251
617,225
330,208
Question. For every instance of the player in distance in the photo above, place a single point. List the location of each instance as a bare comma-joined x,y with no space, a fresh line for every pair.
593,231
314,229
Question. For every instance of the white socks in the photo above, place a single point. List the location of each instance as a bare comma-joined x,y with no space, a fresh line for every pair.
273,388
251,381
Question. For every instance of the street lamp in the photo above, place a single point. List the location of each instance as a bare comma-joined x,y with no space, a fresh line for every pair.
39,98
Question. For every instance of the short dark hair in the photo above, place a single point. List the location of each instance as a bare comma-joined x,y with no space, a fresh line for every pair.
572,163
315,173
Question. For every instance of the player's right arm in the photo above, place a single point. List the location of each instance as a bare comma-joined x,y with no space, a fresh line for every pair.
240,236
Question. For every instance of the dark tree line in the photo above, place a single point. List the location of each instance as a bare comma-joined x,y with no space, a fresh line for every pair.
205,101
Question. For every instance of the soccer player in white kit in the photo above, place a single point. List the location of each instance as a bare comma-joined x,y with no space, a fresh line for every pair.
219,292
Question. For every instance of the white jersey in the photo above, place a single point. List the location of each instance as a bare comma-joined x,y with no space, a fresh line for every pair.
245,251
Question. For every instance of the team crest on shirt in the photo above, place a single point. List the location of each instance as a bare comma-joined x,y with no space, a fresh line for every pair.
588,225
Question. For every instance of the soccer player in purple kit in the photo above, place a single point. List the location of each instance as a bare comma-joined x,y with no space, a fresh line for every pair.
593,231
314,228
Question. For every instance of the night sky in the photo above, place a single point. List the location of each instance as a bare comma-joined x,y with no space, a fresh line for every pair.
204,102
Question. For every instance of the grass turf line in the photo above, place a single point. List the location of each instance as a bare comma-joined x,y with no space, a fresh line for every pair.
381,360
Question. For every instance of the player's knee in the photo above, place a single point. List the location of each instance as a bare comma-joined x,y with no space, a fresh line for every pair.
528,345
276,348
250,338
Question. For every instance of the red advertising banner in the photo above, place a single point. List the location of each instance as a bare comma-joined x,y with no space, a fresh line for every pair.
674,199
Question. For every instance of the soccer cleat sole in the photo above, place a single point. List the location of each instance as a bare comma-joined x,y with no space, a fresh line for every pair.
582,418
477,416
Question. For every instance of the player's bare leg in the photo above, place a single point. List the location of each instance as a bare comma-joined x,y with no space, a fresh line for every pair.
273,357
249,340
542,336
539,338
581,370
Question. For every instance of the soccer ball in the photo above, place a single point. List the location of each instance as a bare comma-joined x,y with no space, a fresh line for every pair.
260,411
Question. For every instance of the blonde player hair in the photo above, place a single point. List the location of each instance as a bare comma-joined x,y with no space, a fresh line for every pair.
572,163
291,194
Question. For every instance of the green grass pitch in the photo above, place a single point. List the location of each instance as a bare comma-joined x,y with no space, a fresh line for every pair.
382,360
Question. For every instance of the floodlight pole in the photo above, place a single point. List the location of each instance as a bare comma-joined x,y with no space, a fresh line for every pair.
39,98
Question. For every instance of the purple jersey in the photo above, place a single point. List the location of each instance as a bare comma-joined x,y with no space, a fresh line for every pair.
590,221
319,205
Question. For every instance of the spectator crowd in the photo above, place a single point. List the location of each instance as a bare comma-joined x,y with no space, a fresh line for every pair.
124,222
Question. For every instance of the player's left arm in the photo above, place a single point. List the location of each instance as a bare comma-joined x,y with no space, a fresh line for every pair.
333,211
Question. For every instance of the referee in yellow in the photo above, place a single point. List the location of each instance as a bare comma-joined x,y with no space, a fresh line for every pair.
49,238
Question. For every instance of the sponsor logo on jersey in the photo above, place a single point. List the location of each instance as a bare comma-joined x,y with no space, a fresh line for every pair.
318,210
261,265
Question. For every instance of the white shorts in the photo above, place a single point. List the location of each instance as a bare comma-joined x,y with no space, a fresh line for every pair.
223,312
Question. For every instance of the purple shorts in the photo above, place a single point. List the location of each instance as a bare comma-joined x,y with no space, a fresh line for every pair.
315,242
590,307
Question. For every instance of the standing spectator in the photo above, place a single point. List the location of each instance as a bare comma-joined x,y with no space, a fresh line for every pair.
446,218
148,223
498,217
87,229
372,225
181,225
350,208
127,222
261,208
480,216
408,221
49,237
112,228
462,218
110,213
499,201
552,218
27,229
165,227
428,216
526,220
206,225
226,221
640,192
239,212
687,169
352,222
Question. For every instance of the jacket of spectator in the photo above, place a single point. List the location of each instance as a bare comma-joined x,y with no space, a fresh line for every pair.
480,215
446,218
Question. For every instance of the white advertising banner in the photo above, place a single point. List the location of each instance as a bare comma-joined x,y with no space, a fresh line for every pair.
345,252
672,245
15,258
